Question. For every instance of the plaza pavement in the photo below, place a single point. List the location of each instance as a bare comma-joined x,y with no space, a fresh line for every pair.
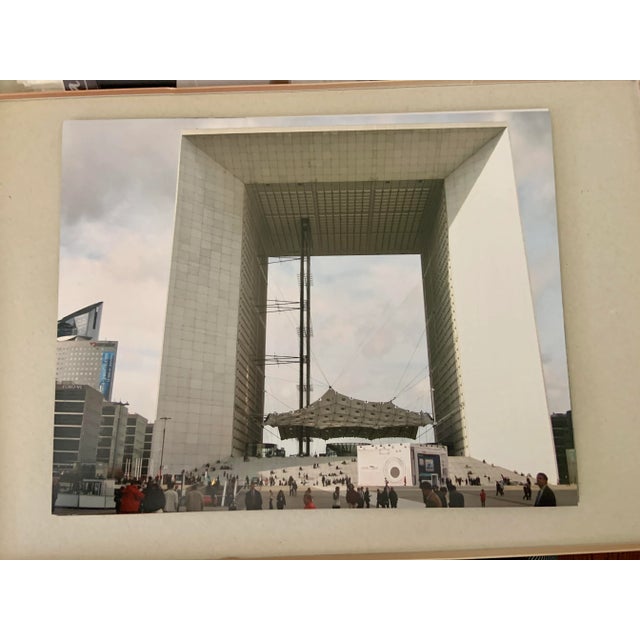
409,497
335,468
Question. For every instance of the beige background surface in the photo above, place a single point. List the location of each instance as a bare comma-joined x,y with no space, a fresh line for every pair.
596,134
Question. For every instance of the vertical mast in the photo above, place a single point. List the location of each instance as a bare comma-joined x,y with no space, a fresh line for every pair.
305,326
301,329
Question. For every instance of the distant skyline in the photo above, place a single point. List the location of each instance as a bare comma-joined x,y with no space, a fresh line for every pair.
118,204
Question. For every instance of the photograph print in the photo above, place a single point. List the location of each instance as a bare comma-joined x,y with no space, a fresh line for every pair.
310,312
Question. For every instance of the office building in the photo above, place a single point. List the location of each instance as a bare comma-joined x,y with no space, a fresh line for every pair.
87,362
111,444
133,454
84,323
76,426
147,469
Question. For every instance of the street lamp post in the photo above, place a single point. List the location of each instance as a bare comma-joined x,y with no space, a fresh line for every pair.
164,430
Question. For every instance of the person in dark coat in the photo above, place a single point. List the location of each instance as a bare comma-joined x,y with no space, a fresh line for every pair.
253,499
154,499
429,496
280,500
442,494
393,498
352,497
456,499
117,496
545,497
384,497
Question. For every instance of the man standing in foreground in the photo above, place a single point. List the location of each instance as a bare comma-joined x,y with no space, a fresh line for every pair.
545,497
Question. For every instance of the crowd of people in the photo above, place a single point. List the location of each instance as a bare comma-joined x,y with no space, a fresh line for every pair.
437,496
150,497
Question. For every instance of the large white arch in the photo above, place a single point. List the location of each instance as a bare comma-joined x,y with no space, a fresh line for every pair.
445,192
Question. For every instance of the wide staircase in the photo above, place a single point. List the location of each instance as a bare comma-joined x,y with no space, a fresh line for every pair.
307,471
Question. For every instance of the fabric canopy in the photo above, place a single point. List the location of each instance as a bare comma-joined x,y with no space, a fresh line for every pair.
337,416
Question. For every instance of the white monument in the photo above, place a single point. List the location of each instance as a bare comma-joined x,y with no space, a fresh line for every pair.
445,192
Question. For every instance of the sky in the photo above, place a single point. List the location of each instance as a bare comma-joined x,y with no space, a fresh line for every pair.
117,214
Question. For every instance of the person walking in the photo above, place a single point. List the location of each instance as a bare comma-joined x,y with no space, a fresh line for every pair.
483,497
429,496
352,496
171,500
367,498
308,501
280,500
545,497
253,499
195,499
393,498
336,498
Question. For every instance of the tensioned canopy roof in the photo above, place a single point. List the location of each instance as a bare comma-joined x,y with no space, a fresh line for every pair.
337,416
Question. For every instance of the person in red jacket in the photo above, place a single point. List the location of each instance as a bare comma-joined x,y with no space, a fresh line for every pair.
131,499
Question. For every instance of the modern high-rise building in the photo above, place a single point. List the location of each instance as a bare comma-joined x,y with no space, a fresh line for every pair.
84,361
88,430
363,185
76,426
146,451
84,322
134,443
113,429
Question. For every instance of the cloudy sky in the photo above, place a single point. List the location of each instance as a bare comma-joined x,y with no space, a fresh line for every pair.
118,199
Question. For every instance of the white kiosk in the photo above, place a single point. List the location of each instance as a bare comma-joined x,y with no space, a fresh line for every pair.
402,464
